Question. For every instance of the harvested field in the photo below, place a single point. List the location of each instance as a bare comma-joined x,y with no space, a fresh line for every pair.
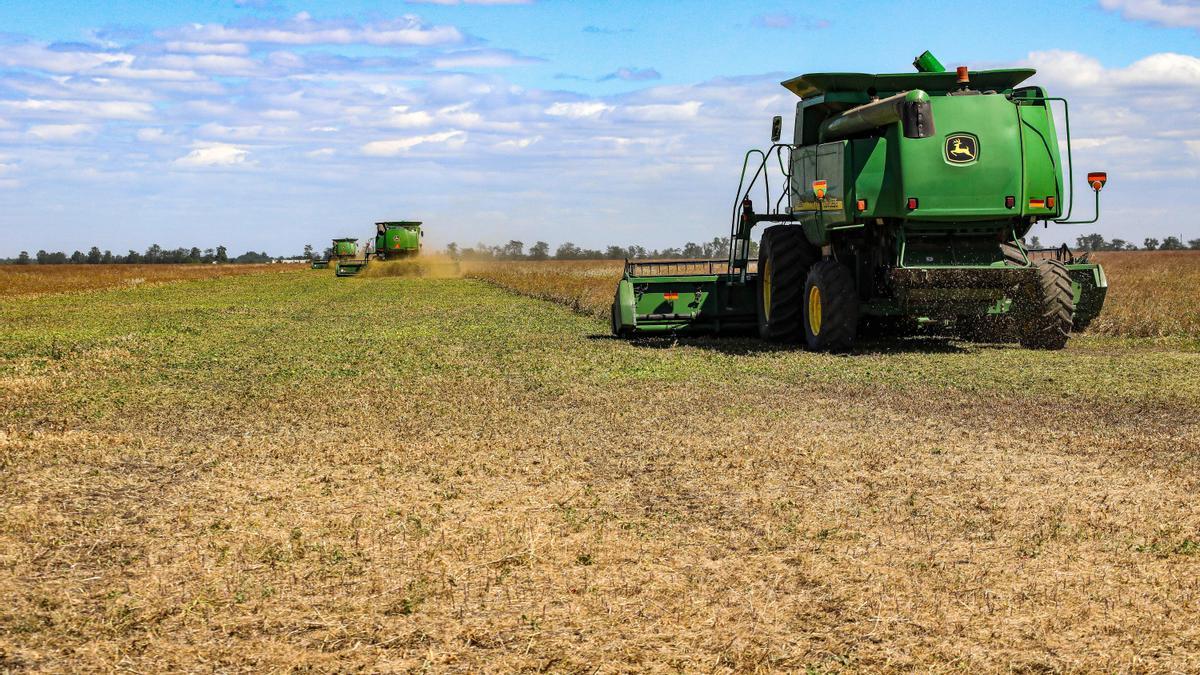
460,478
38,279
1151,293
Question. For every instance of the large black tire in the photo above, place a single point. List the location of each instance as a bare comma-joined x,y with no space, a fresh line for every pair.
830,307
1013,255
784,258
1048,311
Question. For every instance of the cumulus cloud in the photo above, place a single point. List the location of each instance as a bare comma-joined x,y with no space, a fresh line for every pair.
1157,70
632,75
1137,135
213,155
398,146
1178,14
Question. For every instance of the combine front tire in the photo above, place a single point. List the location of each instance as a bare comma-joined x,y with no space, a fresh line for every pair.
830,307
1046,323
784,258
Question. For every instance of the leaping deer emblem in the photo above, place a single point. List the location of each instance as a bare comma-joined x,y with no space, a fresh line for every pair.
959,150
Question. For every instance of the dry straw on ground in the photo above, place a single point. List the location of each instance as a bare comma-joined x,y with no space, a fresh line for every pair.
455,478
39,279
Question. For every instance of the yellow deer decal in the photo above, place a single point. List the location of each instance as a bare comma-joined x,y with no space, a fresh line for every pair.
960,151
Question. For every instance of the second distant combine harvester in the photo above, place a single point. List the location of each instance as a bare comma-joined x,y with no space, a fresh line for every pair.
905,197
345,251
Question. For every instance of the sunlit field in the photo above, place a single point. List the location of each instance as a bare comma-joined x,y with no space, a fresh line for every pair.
36,279
278,472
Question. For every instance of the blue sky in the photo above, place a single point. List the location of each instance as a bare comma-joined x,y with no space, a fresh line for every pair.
268,124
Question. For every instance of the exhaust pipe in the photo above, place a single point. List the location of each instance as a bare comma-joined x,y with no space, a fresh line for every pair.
911,109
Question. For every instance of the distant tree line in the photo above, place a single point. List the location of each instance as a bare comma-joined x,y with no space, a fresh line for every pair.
155,254
515,250
1097,242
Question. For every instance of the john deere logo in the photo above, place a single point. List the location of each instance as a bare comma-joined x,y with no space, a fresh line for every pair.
961,148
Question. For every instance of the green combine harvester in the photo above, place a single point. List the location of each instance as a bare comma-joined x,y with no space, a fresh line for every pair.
397,239
905,200
318,264
345,252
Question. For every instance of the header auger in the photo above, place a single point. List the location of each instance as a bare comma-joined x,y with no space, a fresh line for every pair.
905,198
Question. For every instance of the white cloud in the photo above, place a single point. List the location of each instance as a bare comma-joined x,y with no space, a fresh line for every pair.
320,153
217,64
403,118
281,115
116,110
578,109
398,146
482,58
1183,14
36,56
1073,69
302,29
152,135
61,132
213,155
664,112
516,143
228,48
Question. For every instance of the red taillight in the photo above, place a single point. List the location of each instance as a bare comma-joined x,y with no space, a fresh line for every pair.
1010,202
1049,202
862,205
671,296
1097,179
912,203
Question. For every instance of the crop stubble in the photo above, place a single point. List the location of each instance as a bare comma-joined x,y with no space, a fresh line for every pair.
458,478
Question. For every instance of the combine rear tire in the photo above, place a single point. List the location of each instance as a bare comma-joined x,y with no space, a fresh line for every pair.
784,257
830,307
1047,316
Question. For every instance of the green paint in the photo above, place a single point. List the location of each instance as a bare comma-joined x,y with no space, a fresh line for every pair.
397,239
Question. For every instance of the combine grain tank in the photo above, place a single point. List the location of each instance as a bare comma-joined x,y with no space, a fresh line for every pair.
397,239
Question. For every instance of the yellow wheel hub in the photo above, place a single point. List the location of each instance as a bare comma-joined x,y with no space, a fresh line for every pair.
814,310
766,289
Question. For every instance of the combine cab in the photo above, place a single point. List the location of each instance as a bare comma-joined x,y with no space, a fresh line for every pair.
397,239
905,197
